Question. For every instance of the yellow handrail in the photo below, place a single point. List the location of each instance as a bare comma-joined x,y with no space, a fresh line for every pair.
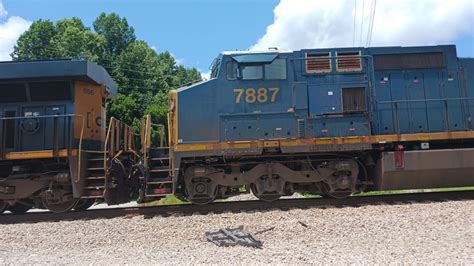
146,140
106,143
79,152
127,139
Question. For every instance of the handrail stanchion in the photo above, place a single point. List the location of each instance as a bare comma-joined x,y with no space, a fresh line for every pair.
2,138
447,114
397,116
55,137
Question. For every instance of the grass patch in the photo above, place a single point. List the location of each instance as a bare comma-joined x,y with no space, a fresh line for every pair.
168,200
172,200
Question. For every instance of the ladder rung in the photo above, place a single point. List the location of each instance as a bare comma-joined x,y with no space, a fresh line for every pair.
91,197
95,168
159,182
95,159
159,170
95,187
94,177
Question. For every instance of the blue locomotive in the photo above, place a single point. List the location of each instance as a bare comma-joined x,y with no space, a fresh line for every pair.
55,149
326,121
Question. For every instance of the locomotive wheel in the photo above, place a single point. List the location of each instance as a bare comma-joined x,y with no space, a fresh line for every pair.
19,208
84,204
264,196
202,200
117,190
56,207
327,193
3,206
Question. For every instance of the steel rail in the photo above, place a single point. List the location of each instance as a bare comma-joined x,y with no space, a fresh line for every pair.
236,207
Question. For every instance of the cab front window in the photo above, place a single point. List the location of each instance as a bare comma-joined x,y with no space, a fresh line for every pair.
275,69
215,67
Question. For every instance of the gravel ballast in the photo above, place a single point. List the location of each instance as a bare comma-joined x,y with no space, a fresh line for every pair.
407,233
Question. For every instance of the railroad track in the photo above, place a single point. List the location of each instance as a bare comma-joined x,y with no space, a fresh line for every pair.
236,206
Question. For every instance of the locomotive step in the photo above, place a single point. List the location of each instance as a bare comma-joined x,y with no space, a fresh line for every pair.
159,182
95,177
95,187
95,168
91,197
160,179
159,170
159,158
96,159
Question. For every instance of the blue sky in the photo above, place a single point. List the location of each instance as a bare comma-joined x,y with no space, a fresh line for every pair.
193,31
196,31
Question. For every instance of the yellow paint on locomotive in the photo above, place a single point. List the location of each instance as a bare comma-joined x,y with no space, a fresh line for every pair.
89,100
37,154
329,141
173,118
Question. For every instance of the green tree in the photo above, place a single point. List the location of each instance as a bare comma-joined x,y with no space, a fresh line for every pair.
74,40
35,43
67,38
138,69
186,75
116,31
144,77
124,107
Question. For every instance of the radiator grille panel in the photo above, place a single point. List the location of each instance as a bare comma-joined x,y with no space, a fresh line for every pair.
318,63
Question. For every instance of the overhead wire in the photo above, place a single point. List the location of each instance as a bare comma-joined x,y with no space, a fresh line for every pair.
361,23
110,67
369,22
104,59
354,26
369,37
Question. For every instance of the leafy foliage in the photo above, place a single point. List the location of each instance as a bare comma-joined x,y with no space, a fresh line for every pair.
116,31
143,76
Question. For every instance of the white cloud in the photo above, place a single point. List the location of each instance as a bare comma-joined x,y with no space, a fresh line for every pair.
312,24
179,61
10,29
205,75
3,12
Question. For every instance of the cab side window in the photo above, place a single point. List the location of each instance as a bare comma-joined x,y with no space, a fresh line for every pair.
252,72
231,70
276,70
